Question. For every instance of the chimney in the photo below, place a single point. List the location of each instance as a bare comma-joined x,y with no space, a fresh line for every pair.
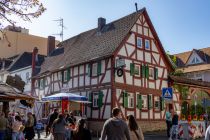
34,60
50,44
136,5
33,67
101,23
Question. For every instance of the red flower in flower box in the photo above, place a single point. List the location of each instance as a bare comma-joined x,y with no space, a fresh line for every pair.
195,117
201,117
189,118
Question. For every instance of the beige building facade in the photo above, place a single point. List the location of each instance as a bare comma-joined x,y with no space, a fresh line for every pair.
16,40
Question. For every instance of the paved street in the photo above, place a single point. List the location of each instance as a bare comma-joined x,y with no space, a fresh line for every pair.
148,136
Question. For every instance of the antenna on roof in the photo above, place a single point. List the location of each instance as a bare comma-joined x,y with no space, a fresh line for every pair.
136,7
62,27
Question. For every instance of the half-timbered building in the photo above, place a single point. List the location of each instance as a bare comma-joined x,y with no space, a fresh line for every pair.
121,63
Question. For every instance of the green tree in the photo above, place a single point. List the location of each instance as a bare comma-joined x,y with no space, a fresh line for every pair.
198,109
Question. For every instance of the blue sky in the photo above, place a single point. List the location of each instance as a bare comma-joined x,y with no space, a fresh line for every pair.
181,24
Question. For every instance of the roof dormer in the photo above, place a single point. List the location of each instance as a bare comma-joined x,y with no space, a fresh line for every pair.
195,58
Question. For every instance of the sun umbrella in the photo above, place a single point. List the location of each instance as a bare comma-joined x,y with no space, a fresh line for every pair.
65,96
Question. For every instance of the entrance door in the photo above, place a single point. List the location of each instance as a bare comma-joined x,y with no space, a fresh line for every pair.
170,106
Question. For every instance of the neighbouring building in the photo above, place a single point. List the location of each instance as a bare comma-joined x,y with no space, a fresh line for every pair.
16,40
121,63
195,64
20,65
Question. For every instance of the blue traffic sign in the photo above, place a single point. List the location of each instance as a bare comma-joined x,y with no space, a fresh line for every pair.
167,93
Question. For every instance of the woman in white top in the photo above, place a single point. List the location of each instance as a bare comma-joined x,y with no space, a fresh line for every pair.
135,130
15,128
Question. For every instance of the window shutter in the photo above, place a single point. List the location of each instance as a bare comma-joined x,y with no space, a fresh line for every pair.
156,73
149,97
139,101
147,71
89,70
142,71
161,103
68,74
100,99
131,69
125,99
99,68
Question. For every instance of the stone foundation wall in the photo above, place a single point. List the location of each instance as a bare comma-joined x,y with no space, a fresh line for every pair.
96,126
152,125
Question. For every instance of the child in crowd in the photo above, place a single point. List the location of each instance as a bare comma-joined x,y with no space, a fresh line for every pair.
39,128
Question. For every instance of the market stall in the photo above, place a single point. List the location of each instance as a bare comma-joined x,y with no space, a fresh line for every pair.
69,101
10,94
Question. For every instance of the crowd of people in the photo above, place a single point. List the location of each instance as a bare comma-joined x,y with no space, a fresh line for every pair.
63,126
14,126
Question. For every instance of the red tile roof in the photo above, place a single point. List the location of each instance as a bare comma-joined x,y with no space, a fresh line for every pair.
191,82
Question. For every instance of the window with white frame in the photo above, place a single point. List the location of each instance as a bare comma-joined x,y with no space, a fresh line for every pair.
190,75
59,75
130,101
65,76
195,60
46,82
139,42
95,99
37,83
2,78
147,44
27,77
41,83
144,102
157,102
151,73
198,76
137,70
94,69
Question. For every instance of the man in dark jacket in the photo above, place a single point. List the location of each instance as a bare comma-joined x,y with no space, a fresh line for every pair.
51,117
115,128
